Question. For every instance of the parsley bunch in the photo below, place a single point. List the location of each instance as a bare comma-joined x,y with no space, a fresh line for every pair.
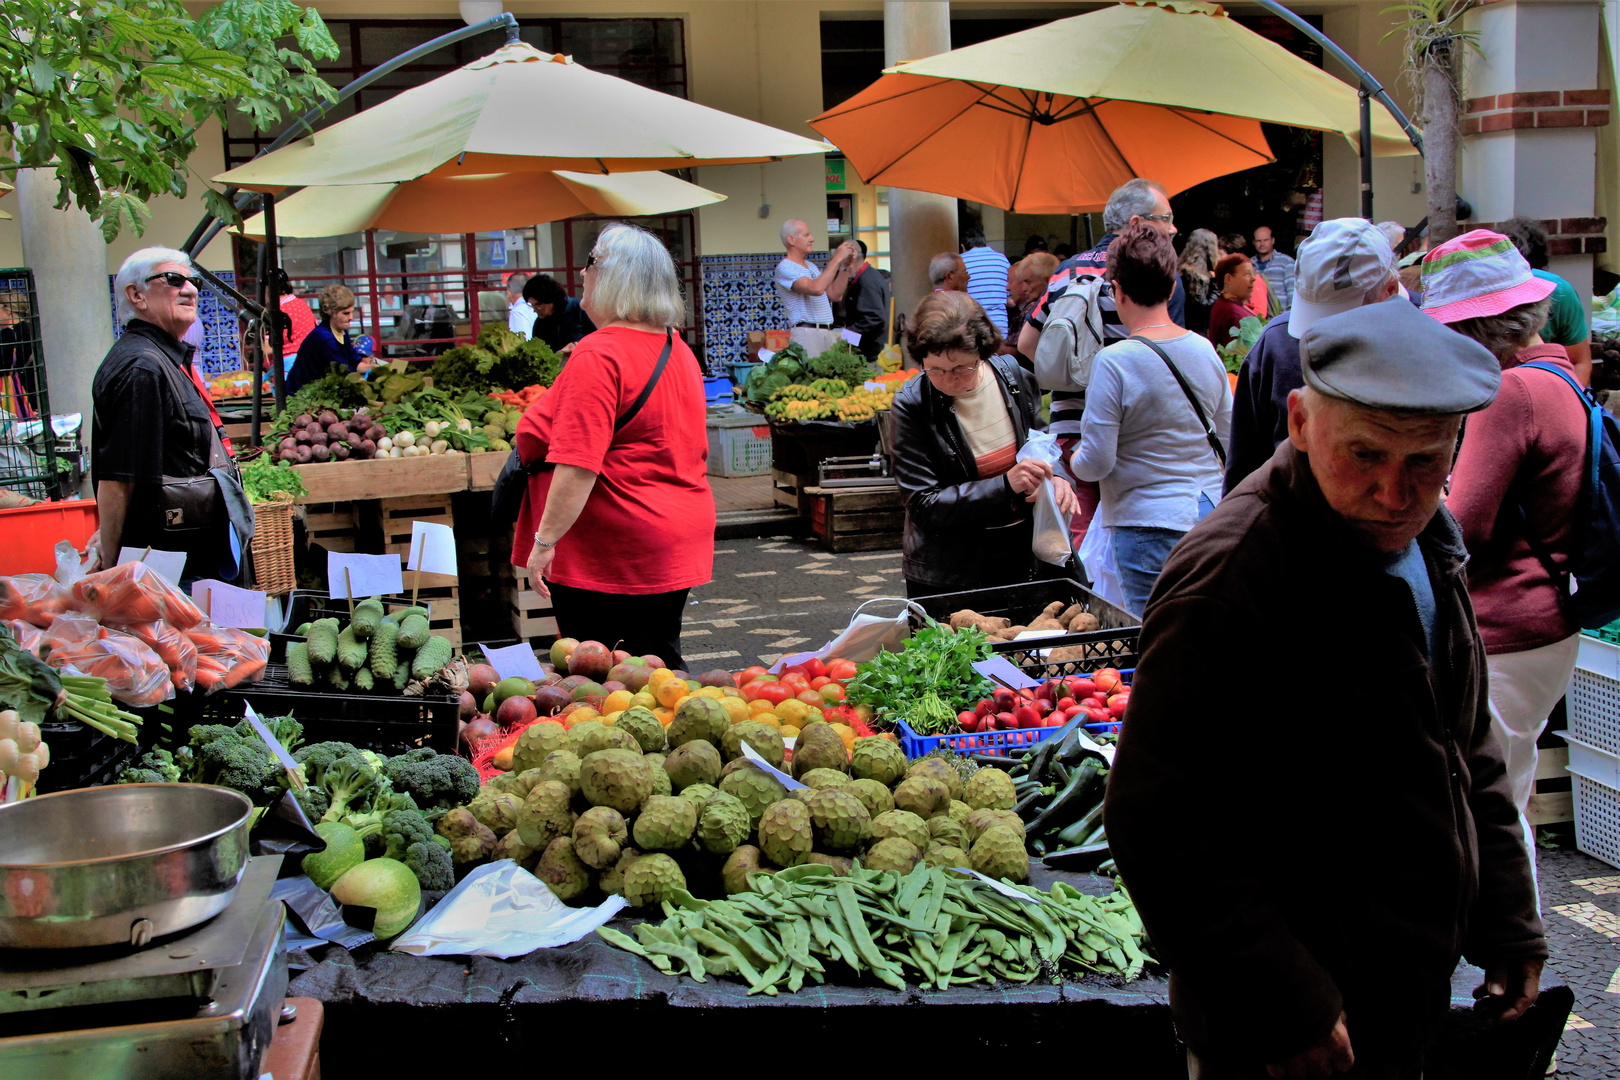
928,682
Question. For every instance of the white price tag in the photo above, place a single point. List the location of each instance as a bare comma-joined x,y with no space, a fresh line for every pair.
226,605
433,548
765,356
1106,750
851,336
753,755
1003,672
168,564
368,575
1005,890
515,661
270,740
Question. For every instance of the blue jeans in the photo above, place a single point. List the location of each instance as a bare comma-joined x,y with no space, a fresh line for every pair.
1139,555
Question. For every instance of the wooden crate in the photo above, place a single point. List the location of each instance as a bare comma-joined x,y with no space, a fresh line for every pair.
335,526
1553,801
532,617
482,469
385,478
439,593
857,519
789,490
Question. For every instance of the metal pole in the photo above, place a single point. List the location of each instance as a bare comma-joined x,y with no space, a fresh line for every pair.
1366,156
1090,240
272,314
258,354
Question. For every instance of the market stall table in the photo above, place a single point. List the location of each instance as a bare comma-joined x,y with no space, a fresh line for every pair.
591,1000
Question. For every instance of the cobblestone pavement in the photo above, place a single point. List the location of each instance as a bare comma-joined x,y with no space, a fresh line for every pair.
779,595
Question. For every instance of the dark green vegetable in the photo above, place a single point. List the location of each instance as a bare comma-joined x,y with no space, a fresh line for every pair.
1073,801
300,672
1077,858
413,632
383,656
431,657
323,641
928,682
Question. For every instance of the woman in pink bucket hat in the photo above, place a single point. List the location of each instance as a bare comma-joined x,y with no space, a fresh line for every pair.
1514,487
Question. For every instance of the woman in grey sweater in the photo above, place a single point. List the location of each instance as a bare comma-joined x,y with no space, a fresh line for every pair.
1158,462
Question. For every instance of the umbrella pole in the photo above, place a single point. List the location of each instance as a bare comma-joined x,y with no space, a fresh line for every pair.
272,312
1366,156
258,354
1091,241
1074,231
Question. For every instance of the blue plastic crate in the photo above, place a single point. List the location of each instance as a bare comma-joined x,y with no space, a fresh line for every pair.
717,389
994,743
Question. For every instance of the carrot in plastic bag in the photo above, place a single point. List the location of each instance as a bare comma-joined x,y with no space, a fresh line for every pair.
33,598
134,592
136,675
27,634
174,647
227,657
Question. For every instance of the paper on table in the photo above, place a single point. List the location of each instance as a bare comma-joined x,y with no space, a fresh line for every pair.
502,910
433,548
170,564
1106,750
851,336
1000,670
369,575
514,661
226,605
753,755
1000,887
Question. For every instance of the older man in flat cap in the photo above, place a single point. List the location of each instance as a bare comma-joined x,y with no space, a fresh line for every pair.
1315,823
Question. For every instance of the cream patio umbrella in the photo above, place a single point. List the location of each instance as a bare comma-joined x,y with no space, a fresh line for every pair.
5,187
1052,119
518,110
473,204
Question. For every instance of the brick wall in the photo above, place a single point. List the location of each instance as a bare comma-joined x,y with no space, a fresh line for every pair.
1536,109
1565,236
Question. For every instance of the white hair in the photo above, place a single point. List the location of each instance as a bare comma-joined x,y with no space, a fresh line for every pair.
788,230
1131,199
941,266
1394,232
635,278
136,269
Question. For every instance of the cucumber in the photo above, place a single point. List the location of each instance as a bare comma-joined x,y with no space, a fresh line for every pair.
299,670
1087,857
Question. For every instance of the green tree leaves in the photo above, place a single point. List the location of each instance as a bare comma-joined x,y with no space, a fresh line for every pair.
110,93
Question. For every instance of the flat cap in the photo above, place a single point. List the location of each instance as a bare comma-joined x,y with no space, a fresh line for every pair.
1390,356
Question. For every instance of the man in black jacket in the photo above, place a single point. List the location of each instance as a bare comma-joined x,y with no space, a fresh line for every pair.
866,305
1311,919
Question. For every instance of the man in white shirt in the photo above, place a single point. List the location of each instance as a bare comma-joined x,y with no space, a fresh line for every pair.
987,276
520,318
807,294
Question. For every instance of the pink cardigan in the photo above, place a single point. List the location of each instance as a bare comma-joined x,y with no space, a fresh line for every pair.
1528,448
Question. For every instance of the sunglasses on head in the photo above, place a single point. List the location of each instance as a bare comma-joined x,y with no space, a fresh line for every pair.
175,280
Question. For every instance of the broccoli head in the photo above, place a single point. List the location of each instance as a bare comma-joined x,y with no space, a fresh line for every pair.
156,766
437,781
431,864
203,734
314,801
287,731
245,765
351,782
403,828
317,756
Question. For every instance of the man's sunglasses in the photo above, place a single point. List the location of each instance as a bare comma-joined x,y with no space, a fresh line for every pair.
175,280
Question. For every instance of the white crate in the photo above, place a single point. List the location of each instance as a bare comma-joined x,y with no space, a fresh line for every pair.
1595,782
1594,695
737,449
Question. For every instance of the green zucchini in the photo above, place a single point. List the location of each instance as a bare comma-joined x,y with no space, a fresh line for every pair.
1087,857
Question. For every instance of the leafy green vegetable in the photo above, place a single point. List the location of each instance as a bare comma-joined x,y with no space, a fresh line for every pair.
500,360
1244,335
928,682
267,480
840,362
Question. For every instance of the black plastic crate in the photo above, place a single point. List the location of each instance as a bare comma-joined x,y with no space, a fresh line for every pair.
386,723
1114,644
82,758
307,605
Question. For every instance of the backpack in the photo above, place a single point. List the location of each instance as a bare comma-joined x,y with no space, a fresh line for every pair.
1594,566
1073,335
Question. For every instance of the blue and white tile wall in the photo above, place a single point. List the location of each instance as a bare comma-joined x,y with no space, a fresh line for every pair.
738,296
222,336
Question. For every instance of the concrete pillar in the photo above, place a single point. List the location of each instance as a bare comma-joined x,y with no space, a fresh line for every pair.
921,225
1534,104
69,259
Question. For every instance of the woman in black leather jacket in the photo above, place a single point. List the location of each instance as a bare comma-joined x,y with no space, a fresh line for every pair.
956,431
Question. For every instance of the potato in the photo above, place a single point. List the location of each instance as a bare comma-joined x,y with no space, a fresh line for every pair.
1083,622
1051,610
1046,623
1069,613
1071,652
967,619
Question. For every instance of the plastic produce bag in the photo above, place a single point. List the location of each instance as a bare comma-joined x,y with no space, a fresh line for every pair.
501,910
868,635
33,598
173,646
1051,541
27,634
1097,557
135,674
133,593
227,657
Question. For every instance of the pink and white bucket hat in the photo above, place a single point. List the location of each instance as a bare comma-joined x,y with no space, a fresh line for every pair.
1476,275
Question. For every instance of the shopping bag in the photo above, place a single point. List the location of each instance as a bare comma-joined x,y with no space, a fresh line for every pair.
1051,538
1097,558
868,635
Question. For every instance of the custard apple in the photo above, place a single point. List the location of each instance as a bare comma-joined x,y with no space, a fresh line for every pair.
841,822
895,853
941,770
699,718
980,820
723,823
785,832
563,767
642,724
923,796
989,789
841,864
999,853
652,879
698,793
660,778
901,823
665,823
755,788
546,814
765,740
579,733
603,737
599,835
947,855
536,742
743,860
877,758
820,778
562,871
695,762
612,879
819,747
947,830
616,778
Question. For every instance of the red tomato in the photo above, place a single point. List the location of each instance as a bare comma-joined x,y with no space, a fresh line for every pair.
1071,712
814,668
986,707
773,692
819,681
750,691
967,721
1081,688
842,670
797,669
1107,679
1117,705
795,680
750,674
810,697
832,691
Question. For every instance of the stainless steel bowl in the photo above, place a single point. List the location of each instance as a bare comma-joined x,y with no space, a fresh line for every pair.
118,865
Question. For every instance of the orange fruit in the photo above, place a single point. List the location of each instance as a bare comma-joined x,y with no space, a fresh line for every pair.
669,692
665,716
759,706
618,701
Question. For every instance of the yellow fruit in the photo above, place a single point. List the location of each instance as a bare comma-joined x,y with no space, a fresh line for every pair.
657,678
730,691
618,701
670,692
847,734
759,705
613,717
503,758
736,709
643,700
793,711
709,691
769,719
789,731
584,712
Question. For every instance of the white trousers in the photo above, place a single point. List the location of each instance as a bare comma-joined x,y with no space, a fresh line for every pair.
1524,688
814,339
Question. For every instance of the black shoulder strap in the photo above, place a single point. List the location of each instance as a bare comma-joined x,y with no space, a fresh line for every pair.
1181,381
646,391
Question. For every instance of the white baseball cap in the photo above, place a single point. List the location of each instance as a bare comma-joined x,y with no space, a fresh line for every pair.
1342,261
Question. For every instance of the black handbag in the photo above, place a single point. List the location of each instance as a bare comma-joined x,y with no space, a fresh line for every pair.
512,485
194,506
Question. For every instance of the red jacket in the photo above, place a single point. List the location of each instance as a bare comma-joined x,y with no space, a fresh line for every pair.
1528,448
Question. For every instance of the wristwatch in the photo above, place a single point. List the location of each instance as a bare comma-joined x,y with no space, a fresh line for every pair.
541,543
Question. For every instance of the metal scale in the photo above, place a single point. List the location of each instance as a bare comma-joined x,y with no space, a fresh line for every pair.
202,1003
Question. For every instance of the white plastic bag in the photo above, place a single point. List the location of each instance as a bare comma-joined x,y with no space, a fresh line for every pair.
868,635
1097,556
502,910
1051,540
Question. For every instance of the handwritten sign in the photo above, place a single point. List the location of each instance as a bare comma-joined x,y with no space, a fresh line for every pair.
1003,672
851,336
168,564
368,575
433,548
515,661
226,605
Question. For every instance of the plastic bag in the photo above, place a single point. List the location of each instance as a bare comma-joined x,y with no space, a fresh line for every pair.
135,674
33,598
500,909
135,593
27,634
1051,541
227,657
173,646
1097,556
868,635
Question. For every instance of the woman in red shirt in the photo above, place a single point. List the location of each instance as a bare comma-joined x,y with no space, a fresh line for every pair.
621,526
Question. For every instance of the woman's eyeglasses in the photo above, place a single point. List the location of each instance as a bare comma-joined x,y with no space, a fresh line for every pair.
176,280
